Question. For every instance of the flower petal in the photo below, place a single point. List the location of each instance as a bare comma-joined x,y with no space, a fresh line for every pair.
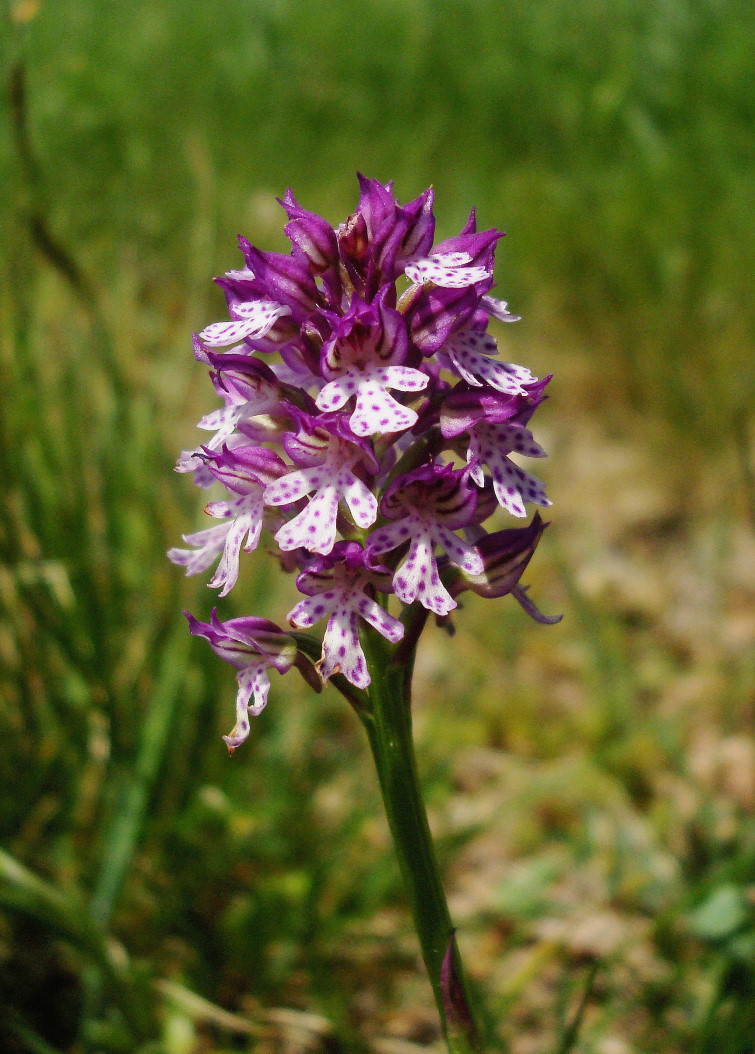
253,681
315,527
361,501
389,627
459,552
447,270
390,536
310,610
377,413
294,485
469,352
418,578
341,650
335,393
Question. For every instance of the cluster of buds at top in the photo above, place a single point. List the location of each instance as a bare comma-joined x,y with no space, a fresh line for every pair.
368,425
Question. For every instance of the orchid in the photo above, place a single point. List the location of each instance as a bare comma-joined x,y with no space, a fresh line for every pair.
338,585
252,646
332,478
356,375
245,471
426,505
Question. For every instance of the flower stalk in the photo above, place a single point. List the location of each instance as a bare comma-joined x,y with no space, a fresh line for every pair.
388,723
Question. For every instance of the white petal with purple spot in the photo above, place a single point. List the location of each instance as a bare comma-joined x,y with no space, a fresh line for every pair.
341,650
459,552
334,394
315,527
209,543
403,378
310,610
418,579
294,485
447,270
361,501
469,352
253,319
389,627
378,413
390,536
498,309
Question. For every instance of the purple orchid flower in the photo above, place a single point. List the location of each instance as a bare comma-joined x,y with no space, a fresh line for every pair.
253,646
339,585
245,471
363,358
426,506
496,427
329,464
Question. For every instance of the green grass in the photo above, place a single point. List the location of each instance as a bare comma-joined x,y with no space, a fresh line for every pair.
590,783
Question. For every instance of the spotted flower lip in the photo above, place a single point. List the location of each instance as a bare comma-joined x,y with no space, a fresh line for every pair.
356,374
469,353
338,586
362,360
244,471
332,480
450,270
426,505
251,319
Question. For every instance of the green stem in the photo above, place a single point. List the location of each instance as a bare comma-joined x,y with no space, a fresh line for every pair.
388,723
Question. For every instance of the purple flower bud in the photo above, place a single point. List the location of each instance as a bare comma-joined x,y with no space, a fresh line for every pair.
311,234
436,314
376,204
282,279
505,555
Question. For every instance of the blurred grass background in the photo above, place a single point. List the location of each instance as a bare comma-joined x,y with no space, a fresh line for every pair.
592,785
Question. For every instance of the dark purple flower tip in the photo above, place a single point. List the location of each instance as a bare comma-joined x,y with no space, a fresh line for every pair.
311,234
439,492
353,246
243,642
521,595
505,555
535,395
280,278
435,313
405,234
376,203
479,247
243,466
465,406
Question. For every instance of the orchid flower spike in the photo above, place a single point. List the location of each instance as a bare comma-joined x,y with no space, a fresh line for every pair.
356,375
